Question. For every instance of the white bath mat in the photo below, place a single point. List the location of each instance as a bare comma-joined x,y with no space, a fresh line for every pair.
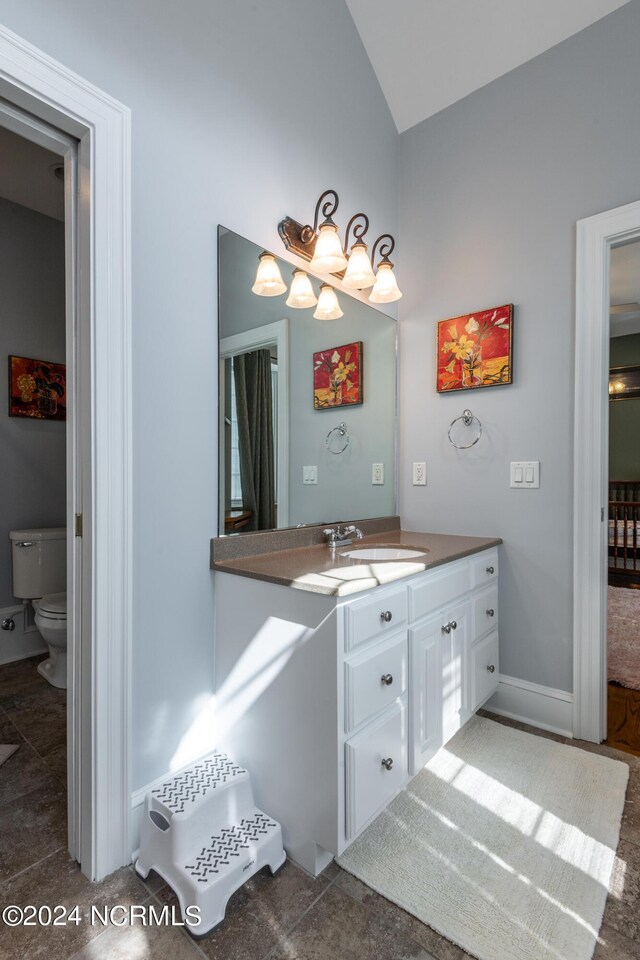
7,750
504,844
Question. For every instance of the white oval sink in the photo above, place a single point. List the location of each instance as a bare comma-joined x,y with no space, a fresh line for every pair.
382,553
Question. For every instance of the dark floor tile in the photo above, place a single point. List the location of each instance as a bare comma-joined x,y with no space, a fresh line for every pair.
622,912
58,880
612,945
630,829
41,718
23,772
331,872
525,727
55,761
32,827
259,913
338,926
138,942
404,923
20,677
154,882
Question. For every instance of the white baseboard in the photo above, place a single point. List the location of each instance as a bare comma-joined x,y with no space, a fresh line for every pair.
534,704
21,642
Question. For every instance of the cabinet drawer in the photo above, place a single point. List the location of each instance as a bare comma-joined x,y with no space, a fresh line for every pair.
484,569
484,681
374,616
485,612
374,678
369,783
437,589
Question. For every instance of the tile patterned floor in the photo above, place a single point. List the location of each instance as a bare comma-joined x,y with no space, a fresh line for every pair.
294,917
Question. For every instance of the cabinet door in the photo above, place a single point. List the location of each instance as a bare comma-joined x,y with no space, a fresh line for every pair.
455,634
425,693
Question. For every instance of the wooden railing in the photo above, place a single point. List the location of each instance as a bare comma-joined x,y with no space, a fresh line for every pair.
624,529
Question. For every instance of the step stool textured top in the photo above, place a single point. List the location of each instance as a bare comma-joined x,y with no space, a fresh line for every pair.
226,847
199,781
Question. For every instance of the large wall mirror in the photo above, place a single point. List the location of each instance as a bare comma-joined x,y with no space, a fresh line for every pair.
307,406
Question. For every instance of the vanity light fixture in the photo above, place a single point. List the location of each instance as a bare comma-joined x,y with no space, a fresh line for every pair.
269,282
328,307
301,294
321,246
386,288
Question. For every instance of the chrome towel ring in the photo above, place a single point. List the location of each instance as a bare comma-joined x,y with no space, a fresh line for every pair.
339,443
468,419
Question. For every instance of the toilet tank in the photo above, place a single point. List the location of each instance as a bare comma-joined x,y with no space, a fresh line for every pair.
39,562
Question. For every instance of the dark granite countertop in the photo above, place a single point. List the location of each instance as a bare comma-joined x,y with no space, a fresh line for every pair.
318,569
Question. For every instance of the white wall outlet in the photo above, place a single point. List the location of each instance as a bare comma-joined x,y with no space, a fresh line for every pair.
309,474
419,474
377,474
525,474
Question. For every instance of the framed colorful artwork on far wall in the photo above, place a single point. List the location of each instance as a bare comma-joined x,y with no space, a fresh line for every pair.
37,389
475,350
337,377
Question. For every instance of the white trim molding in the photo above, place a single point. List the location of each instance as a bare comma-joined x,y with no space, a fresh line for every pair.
595,238
32,81
531,703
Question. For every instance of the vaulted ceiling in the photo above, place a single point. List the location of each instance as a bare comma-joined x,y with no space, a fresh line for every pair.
427,54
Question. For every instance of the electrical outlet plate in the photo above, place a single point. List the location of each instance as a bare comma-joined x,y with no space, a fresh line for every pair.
377,474
419,474
525,474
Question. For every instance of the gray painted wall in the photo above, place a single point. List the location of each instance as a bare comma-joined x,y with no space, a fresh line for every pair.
624,415
344,489
229,127
491,189
32,324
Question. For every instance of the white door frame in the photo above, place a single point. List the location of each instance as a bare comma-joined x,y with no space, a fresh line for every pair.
32,81
265,336
595,238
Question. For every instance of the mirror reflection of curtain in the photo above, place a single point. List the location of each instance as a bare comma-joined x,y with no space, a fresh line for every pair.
254,410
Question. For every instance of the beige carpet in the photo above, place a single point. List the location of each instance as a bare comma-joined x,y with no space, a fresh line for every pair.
6,751
623,640
504,844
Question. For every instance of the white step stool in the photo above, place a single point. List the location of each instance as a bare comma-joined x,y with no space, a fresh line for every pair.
203,834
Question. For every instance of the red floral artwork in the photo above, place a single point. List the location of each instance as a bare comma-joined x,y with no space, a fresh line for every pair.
37,389
337,377
475,350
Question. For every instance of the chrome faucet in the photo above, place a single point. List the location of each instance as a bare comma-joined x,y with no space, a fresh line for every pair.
342,537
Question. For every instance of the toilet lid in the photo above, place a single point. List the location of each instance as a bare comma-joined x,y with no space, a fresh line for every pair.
54,604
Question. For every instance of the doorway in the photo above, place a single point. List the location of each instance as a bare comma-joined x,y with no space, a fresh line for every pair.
44,102
623,595
596,238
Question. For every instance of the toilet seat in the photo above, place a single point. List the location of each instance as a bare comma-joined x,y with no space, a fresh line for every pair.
53,606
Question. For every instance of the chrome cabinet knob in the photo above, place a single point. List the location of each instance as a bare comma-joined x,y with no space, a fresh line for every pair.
8,624
446,628
454,625
491,668
491,612
387,763
387,679
386,615
490,570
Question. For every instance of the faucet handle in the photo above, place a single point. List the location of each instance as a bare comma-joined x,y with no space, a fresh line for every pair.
330,534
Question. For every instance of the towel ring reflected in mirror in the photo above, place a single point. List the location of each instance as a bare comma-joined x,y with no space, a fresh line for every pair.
338,439
468,419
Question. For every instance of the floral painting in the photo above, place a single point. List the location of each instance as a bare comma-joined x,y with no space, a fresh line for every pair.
475,350
37,389
337,377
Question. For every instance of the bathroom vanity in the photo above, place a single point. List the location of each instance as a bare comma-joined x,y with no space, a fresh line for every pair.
337,679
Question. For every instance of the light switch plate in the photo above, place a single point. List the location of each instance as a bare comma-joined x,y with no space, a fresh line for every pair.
525,474
377,474
419,474
309,474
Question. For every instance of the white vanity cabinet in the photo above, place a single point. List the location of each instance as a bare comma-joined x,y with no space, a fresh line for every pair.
333,703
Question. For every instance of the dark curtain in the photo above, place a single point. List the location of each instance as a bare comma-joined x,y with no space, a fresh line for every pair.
254,409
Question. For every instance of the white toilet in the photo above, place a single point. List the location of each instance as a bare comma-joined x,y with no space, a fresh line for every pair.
39,561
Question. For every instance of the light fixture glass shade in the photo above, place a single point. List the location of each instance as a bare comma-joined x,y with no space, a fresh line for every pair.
359,273
328,307
301,294
328,256
269,282
386,288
